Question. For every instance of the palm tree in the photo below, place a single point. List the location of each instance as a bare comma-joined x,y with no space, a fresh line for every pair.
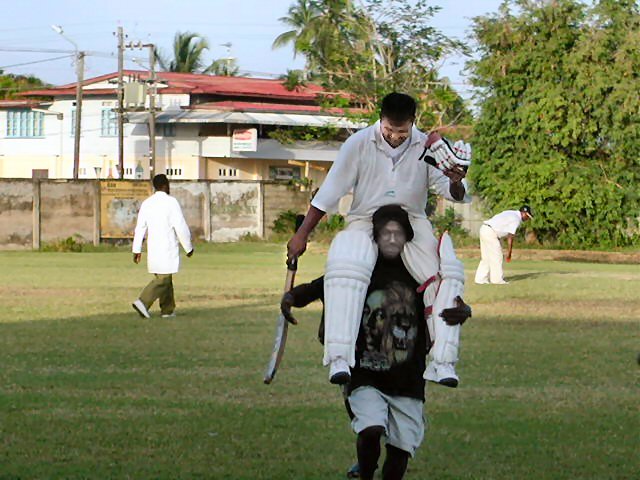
293,80
224,67
301,17
188,49
323,30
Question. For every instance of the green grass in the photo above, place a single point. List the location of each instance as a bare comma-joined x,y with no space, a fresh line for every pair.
549,380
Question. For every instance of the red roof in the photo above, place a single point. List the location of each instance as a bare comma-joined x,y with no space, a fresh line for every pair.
20,103
269,107
192,83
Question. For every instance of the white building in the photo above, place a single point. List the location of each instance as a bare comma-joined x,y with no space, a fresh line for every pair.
196,118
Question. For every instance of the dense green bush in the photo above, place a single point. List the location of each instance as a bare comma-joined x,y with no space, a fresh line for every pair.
559,120
285,222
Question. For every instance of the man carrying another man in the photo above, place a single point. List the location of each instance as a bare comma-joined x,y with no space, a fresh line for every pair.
386,391
382,164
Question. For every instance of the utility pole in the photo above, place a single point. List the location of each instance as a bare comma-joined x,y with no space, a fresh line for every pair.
152,110
80,78
151,81
120,102
76,139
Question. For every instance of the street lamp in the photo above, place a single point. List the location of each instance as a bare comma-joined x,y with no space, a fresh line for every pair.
80,78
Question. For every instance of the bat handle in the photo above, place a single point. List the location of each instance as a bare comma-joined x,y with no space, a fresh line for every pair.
292,264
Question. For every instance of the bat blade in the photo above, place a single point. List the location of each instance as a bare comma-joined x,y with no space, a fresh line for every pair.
282,327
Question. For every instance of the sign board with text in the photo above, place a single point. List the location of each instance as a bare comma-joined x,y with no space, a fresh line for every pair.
119,205
244,140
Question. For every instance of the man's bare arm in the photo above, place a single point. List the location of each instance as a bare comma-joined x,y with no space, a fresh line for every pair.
510,246
298,243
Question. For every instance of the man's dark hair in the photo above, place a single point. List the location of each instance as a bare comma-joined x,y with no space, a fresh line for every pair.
388,213
398,107
160,181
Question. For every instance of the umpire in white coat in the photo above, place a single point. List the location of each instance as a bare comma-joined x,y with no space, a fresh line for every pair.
160,219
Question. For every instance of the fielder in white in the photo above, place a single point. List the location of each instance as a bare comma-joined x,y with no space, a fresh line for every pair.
383,164
160,219
504,224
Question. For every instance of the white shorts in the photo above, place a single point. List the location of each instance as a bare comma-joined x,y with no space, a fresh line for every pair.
401,417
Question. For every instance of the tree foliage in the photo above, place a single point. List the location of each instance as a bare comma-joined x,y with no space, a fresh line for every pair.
371,48
11,85
188,53
559,123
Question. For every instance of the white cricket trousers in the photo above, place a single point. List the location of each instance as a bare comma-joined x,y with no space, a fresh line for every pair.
490,268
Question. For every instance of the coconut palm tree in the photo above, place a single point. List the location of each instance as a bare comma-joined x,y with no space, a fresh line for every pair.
188,50
300,17
224,67
323,30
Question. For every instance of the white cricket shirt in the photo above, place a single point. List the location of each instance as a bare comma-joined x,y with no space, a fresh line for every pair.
364,165
505,222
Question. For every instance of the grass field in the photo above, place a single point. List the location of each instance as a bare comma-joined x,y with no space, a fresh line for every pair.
549,379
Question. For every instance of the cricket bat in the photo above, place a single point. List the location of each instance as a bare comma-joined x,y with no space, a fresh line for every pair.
282,326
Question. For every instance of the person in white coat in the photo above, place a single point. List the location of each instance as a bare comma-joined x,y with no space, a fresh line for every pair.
504,224
160,219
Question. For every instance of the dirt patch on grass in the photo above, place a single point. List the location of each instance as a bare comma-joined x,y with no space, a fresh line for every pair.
613,310
563,255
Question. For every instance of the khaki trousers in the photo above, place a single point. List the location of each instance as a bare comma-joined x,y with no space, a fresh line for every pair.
161,287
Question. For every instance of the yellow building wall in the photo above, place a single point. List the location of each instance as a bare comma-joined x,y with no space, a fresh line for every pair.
258,169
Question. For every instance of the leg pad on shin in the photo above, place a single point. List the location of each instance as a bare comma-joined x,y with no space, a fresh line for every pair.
350,261
445,348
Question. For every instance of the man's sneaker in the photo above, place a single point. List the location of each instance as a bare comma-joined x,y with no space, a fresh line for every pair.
354,471
168,315
339,372
139,307
442,373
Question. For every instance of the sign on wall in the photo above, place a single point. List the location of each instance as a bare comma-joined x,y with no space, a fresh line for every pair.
119,205
245,140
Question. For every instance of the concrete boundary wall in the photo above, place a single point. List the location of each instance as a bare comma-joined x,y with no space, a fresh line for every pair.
17,213
34,212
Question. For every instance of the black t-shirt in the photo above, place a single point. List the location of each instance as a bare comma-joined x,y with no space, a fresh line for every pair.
392,342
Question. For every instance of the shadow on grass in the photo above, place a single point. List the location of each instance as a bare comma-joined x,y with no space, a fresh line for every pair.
526,276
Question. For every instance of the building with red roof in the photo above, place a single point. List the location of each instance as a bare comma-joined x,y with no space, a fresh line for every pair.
207,127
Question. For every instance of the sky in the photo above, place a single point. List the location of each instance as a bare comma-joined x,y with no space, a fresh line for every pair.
249,25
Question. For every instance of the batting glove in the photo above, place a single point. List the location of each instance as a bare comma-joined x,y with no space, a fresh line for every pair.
444,156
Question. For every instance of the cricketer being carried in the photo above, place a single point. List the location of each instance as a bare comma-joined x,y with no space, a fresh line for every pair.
381,165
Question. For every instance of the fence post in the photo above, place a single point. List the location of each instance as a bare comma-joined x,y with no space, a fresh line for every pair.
96,214
206,212
35,236
262,212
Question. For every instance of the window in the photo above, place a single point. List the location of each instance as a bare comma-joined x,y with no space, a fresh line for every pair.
73,123
284,173
167,129
128,171
173,172
109,124
25,123
227,172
